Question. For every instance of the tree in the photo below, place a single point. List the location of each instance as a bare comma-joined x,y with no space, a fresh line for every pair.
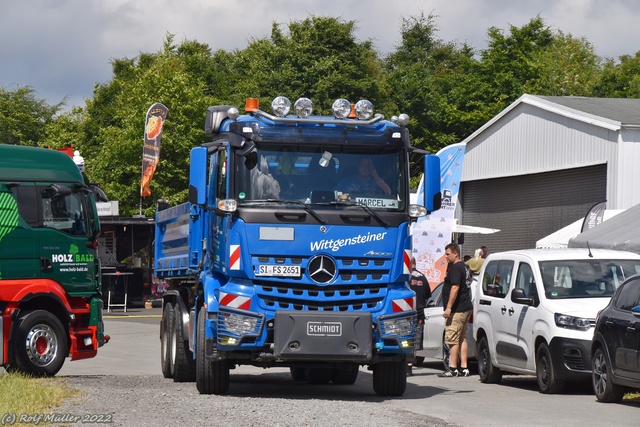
620,79
23,117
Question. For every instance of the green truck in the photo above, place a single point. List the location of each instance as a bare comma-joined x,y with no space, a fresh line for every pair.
50,302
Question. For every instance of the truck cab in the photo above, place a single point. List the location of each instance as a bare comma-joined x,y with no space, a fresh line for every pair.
296,244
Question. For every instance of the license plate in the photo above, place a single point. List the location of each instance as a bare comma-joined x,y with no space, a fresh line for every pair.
278,270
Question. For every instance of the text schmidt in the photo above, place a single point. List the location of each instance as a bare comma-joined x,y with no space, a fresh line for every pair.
336,244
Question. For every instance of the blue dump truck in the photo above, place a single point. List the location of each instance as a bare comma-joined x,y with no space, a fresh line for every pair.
294,248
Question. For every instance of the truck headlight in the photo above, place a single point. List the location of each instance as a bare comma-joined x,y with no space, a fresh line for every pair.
572,322
281,106
303,107
398,326
238,324
341,108
364,109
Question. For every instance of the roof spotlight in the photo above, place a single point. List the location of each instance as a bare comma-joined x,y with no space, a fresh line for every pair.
280,106
341,108
364,109
303,107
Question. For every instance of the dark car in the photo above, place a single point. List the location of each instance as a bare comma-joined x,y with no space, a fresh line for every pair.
616,344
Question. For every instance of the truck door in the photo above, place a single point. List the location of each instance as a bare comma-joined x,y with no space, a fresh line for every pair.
520,320
64,231
19,236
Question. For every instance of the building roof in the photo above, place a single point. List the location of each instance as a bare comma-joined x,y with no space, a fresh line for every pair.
623,110
609,113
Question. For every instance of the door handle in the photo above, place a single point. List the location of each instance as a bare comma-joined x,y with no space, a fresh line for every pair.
45,264
511,311
504,309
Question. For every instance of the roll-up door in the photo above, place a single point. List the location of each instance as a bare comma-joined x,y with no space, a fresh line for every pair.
528,207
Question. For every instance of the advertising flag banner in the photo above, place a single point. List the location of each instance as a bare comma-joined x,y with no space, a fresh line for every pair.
433,232
595,216
154,124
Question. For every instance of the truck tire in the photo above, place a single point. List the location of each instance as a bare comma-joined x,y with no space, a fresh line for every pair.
40,344
166,341
183,364
345,375
390,378
487,372
548,382
212,377
605,390
298,373
318,375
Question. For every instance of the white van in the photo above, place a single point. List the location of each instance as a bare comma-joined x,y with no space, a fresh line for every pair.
534,311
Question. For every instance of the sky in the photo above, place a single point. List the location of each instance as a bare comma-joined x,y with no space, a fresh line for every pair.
62,48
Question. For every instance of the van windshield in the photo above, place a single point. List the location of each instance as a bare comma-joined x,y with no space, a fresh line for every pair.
585,278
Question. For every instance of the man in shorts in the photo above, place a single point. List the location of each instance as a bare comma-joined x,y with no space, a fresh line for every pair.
456,300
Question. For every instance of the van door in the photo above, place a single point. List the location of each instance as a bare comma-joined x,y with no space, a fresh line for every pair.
521,318
492,305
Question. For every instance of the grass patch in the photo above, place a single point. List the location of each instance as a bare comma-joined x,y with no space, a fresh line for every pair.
21,394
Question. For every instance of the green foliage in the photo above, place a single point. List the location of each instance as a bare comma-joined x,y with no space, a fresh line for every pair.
448,89
23,116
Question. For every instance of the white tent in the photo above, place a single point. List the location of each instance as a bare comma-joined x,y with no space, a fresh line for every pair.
560,238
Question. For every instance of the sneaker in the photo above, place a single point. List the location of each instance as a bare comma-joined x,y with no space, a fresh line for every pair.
465,372
449,373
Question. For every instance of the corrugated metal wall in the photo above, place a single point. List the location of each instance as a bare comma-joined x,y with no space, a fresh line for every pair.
528,207
530,140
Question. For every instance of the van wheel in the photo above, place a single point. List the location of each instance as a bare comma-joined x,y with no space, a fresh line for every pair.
605,390
166,341
548,382
487,372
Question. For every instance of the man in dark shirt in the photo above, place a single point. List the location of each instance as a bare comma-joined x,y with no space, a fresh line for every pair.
456,300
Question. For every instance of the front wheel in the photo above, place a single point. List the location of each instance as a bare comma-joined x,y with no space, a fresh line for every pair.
40,345
212,377
487,372
548,380
604,389
390,378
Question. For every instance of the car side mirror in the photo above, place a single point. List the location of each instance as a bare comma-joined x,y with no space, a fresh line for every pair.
518,296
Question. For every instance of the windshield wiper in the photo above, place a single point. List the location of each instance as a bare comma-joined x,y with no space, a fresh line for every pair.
291,202
359,204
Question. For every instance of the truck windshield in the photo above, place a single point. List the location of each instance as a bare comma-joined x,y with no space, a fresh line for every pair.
585,278
320,175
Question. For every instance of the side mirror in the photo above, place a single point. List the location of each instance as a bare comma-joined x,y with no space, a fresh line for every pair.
517,296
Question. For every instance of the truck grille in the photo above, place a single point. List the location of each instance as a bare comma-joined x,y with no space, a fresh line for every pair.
359,284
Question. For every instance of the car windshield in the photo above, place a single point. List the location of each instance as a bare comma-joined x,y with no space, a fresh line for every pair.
585,278
324,175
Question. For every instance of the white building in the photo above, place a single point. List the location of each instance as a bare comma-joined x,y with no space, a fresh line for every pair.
543,162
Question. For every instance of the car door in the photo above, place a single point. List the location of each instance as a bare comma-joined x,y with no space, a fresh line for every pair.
433,324
624,329
519,345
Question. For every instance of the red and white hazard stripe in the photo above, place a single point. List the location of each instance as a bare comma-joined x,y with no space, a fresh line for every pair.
407,262
405,304
234,257
234,301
